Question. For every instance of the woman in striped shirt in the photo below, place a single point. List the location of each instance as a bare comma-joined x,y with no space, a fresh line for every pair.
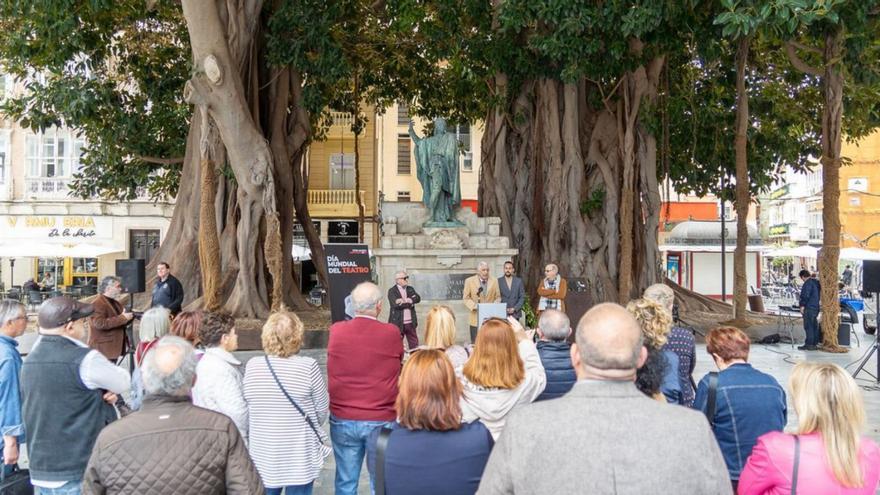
288,403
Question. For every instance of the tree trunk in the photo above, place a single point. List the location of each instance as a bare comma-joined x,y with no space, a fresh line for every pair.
832,85
252,213
743,198
576,185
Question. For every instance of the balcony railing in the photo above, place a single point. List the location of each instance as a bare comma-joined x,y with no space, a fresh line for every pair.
46,188
341,119
816,234
333,202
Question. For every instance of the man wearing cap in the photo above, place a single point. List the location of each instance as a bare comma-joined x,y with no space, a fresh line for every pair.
66,391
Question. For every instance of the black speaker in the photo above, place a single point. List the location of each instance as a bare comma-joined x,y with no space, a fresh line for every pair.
132,274
871,276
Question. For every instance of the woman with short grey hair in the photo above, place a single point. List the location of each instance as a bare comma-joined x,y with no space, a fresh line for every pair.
13,323
155,324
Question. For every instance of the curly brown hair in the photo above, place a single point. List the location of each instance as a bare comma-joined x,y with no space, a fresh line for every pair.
214,327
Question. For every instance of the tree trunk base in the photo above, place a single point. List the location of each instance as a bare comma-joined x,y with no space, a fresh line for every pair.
833,348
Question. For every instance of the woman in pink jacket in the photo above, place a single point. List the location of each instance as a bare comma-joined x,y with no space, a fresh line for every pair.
833,455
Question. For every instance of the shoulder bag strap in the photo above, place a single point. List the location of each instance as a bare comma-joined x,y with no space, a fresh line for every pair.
289,398
711,399
797,460
381,447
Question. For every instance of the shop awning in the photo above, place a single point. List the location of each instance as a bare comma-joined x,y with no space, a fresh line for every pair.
858,254
25,249
794,252
696,248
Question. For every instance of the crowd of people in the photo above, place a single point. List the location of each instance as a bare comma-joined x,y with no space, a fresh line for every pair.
609,406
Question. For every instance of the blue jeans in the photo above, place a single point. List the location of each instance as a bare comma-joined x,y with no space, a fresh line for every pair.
811,326
70,488
291,490
349,438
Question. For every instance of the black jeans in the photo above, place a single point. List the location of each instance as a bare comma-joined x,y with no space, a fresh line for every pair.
811,326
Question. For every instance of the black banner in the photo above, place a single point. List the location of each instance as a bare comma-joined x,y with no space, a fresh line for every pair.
347,266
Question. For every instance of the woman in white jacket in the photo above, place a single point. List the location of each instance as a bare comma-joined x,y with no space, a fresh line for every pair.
504,372
218,379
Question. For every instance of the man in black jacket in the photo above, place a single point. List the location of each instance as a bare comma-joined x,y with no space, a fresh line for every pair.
167,293
403,299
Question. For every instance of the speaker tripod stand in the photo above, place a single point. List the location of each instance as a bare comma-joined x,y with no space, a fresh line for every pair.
874,346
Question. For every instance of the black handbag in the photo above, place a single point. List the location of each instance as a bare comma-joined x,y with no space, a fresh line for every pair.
381,447
711,399
17,483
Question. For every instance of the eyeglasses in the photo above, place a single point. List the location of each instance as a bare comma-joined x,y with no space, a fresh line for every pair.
402,278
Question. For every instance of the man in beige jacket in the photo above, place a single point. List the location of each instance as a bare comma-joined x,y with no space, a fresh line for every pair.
479,289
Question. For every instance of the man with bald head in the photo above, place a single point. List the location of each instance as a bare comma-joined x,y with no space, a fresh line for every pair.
171,446
605,436
554,328
363,364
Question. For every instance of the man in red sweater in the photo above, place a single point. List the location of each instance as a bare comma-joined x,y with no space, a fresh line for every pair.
363,364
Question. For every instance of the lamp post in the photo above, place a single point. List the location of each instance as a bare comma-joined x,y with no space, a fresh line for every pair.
723,242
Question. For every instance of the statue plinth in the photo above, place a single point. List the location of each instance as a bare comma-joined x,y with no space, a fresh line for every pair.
438,256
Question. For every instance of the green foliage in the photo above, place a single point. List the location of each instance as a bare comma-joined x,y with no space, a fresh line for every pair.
530,314
594,202
781,261
112,70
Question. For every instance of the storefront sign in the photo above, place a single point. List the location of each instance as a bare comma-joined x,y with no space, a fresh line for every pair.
54,227
858,184
347,266
779,193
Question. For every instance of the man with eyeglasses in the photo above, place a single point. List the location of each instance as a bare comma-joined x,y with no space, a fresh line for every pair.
552,290
402,299
67,390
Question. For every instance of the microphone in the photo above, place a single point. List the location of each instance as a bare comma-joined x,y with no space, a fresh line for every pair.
480,291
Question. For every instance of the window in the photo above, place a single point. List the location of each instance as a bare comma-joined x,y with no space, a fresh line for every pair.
4,155
403,155
342,171
53,154
402,113
342,232
403,196
463,134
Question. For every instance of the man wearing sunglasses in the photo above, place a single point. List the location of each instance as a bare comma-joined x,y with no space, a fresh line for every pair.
403,299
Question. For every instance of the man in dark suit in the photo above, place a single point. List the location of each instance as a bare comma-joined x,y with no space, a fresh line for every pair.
513,292
402,299
109,320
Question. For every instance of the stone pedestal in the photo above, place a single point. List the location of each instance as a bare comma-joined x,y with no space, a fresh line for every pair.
438,259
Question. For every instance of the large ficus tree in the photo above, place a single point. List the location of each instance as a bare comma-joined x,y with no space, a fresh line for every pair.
212,101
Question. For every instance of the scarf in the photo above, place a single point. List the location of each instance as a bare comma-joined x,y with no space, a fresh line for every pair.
546,303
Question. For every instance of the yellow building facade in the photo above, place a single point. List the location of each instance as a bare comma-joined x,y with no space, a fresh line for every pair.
860,194
333,199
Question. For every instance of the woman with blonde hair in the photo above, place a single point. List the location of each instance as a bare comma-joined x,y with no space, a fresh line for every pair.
826,452
429,450
505,371
440,334
287,404
658,377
